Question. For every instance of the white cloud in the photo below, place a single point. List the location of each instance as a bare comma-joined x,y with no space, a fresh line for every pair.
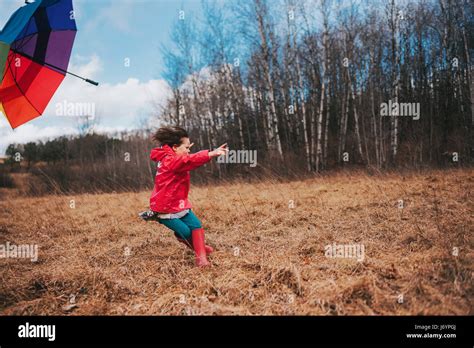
115,104
86,66
29,132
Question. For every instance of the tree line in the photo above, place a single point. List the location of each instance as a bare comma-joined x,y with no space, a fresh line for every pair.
85,163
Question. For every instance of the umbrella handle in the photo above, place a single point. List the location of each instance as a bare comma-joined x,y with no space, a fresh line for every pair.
92,82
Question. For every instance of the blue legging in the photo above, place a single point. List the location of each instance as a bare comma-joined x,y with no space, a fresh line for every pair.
184,226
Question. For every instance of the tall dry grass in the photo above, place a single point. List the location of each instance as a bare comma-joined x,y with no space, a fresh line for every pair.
99,258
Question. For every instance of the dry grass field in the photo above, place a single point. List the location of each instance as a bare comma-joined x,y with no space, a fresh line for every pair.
96,257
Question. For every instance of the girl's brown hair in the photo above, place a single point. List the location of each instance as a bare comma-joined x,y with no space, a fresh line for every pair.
170,135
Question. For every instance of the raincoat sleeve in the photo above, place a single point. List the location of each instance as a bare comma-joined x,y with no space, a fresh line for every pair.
189,162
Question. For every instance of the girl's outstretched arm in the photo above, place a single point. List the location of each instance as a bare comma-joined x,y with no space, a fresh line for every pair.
195,160
189,162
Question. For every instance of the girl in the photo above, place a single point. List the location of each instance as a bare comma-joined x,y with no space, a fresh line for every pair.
169,199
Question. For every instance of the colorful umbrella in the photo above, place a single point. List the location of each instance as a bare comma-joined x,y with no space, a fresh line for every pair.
35,48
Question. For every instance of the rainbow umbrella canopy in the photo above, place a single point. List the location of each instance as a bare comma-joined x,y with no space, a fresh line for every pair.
35,48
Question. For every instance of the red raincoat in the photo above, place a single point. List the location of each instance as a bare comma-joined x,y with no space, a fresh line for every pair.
172,180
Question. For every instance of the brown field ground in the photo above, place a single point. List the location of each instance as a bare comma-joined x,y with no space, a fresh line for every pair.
99,258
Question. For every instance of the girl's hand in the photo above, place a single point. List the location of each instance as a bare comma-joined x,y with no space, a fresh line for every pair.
221,150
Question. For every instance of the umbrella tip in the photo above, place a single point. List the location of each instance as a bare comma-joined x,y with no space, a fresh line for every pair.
92,82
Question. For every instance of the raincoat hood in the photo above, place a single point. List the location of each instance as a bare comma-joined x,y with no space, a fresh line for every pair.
159,153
